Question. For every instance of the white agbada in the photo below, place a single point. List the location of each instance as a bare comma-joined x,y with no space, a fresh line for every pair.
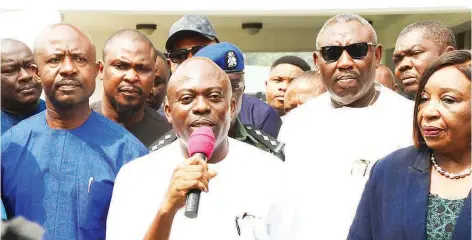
329,153
246,182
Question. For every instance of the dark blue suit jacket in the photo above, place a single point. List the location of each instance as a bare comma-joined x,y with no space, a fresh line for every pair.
395,200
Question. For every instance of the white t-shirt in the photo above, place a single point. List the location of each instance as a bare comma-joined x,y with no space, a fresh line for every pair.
329,153
246,182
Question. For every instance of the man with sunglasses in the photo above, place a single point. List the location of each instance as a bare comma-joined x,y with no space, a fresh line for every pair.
20,91
190,34
187,36
333,140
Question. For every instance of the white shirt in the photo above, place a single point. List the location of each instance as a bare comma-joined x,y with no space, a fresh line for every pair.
324,146
246,182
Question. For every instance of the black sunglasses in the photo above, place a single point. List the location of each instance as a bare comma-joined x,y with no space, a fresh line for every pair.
356,51
180,55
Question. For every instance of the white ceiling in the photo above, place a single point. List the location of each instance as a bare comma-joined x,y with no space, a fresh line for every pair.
93,21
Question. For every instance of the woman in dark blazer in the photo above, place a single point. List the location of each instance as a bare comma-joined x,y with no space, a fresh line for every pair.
423,191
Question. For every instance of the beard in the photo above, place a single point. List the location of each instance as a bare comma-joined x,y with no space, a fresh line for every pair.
125,110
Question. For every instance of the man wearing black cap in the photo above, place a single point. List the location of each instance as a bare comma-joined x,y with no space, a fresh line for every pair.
231,60
187,36
190,34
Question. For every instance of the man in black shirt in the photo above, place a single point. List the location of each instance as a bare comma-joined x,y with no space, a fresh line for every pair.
128,71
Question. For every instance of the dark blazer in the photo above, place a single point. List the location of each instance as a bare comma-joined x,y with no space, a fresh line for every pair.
395,200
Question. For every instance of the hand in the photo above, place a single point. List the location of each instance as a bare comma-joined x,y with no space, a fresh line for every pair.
193,173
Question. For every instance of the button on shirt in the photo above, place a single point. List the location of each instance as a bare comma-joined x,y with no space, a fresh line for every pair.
63,179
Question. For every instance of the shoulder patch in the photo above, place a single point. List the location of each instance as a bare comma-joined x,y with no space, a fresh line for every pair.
275,146
163,141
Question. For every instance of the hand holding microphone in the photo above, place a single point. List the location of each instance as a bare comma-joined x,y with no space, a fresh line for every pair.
192,176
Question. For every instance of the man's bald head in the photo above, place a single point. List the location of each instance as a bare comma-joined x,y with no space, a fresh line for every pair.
66,65
199,67
303,88
10,43
19,91
50,34
384,76
132,35
199,94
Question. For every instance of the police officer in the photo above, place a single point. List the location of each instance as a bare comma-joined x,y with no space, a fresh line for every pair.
229,58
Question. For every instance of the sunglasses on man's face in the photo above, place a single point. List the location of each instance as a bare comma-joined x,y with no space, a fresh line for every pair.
356,51
180,55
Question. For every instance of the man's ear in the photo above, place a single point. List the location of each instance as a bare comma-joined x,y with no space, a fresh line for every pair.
35,71
316,59
449,49
233,108
167,110
100,69
378,54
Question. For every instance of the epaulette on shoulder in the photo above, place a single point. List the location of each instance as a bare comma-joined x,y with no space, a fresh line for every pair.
163,141
265,139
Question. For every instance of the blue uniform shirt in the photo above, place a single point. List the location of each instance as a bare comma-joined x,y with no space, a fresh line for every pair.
10,120
259,114
63,179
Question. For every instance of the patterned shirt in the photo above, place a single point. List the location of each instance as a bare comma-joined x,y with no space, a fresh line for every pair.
442,217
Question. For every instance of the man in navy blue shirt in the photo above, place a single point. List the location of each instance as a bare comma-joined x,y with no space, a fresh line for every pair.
259,114
20,91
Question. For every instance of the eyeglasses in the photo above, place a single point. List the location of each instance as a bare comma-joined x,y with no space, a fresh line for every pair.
356,51
180,55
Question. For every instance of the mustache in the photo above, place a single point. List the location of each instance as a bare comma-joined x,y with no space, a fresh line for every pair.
346,75
69,81
131,88
406,75
28,86
201,121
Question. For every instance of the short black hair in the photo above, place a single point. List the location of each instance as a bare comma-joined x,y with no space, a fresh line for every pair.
292,60
134,35
435,31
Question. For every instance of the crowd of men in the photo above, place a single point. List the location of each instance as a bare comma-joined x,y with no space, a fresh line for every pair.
119,168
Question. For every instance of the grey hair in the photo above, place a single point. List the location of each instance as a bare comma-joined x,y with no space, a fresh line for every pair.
345,18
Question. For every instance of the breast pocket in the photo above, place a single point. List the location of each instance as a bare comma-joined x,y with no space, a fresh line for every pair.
94,201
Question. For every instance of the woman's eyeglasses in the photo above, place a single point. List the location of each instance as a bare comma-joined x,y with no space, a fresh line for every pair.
356,51
180,55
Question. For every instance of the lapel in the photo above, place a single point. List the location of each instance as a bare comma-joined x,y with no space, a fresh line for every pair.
416,197
462,228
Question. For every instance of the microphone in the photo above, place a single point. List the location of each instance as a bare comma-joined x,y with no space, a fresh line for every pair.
201,142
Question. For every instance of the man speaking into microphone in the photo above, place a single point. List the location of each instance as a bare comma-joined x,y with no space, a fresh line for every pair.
237,182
